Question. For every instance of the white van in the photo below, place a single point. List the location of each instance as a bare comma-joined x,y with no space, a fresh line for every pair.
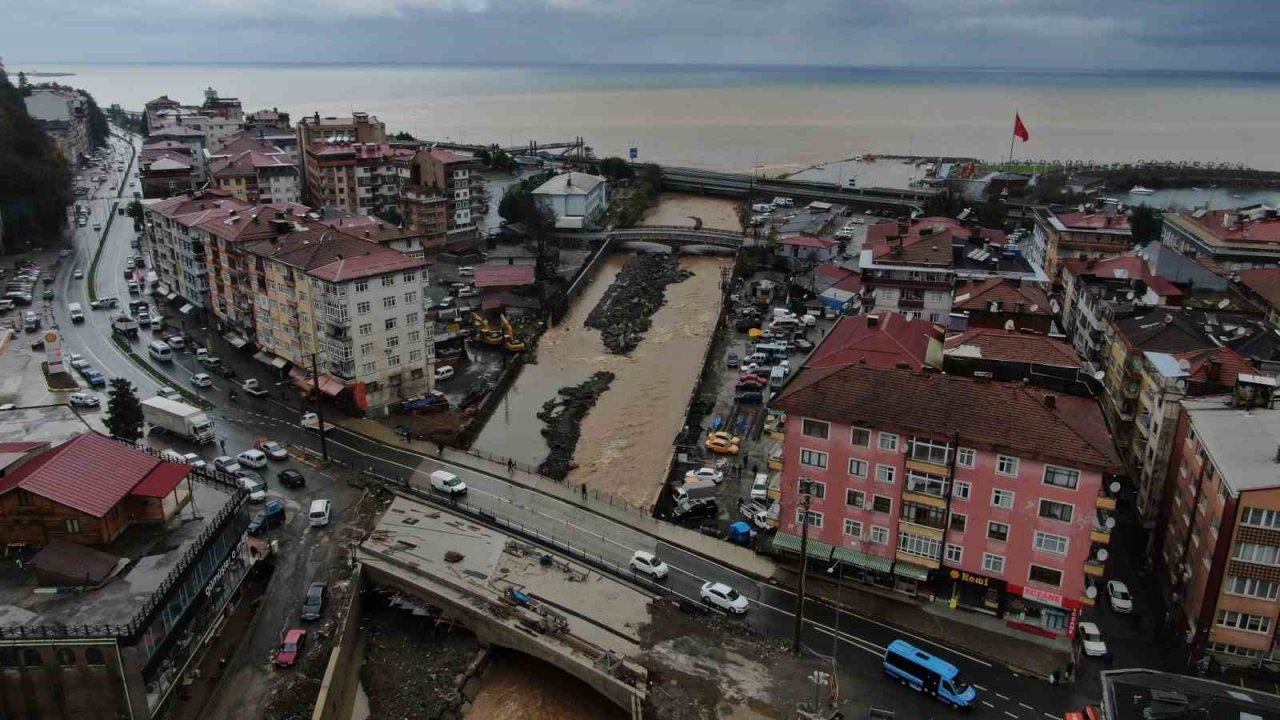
447,483
76,312
159,351
760,487
319,514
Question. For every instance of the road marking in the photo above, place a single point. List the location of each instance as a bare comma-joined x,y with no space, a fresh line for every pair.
1027,706
1002,697
852,640
984,702
1015,717
979,687
1050,716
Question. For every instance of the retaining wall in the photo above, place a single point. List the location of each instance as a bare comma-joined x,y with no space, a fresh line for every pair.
338,688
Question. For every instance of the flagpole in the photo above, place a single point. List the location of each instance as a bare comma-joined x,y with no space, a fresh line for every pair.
1012,137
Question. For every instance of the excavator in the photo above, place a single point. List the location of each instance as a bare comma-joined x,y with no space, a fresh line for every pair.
510,341
486,334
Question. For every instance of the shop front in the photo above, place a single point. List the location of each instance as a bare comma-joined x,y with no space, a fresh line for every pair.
1041,612
978,593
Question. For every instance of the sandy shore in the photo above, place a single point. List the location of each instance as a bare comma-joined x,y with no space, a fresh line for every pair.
678,208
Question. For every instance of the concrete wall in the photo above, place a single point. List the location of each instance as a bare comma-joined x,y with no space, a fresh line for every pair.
338,688
62,681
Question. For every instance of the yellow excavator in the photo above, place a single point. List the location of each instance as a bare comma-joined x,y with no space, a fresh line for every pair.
486,334
510,341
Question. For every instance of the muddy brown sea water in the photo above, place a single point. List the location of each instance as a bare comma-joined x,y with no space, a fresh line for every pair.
517,687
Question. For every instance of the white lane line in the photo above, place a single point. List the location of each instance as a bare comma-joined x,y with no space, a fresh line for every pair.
984,702
854,641
1015,717
1050,716
979,687
1027,706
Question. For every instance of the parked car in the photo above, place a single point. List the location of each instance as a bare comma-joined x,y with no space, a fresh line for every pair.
313,603
295,639
727,437
733,360
704,473
291,478
1118,596
271,515
723,597
695,510
444,372
77,361
175,342
85,400
649,564
256,488
252,458
201,380
720,446
169,393
273,450
194,460
447,483
226,464
1091,639
94,378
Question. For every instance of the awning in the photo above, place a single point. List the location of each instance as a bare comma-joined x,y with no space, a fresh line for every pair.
162,289
816,549
186,309
863,560
279,363
168,295
262,357
331,386
907,570
235,340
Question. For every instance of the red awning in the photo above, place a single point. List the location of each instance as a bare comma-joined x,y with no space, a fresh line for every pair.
330,386
162,480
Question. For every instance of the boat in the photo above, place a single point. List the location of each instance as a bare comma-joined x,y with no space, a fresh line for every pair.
1139,190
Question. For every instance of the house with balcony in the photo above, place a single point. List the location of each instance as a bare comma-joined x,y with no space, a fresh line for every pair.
1229,240
995,495
578,199
170,230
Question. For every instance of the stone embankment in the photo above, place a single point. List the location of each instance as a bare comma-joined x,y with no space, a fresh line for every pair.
563,416
625,312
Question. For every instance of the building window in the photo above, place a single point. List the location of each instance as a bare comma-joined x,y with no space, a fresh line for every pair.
415,356
860,437
389,301
393,341
858,468
366,329
409,277
1244,621
853,528
813,458
415,335
955,553
390,323
410,297
998,531
1050,543
362,308
1252,587
72,526
393,361
815,429
94,657
366,348
929,451
1002,498
888,442
818,490
1045,576
411,319
919,545
881,503
1007,465
993,564
1255,553
966,458
368,368
886,473
815,519
855,498
961,490
388,280
1061,477
958,522
362,286
66,657
1258,517
1053,510
879,535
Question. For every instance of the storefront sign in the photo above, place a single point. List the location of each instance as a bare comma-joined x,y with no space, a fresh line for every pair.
979,580
1073,623
1042,596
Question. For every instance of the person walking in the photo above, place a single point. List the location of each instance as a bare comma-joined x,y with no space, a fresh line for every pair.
584,490
511,467
439,449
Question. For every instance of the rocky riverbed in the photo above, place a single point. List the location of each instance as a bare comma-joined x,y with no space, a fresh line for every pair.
625,312
563,415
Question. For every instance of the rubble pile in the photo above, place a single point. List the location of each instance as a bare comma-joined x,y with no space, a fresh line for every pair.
563,416
624,313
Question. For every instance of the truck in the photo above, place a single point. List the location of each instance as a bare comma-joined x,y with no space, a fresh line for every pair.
695,490
177,418
125,325
311,421
253,387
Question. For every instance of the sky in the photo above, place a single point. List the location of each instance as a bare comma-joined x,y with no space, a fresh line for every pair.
1069,34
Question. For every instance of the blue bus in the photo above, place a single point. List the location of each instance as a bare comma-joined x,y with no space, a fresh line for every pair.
928,674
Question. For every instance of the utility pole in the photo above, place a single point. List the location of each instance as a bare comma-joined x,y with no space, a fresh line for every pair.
315,378
805,497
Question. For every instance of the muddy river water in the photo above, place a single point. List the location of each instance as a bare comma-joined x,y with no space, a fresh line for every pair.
626,438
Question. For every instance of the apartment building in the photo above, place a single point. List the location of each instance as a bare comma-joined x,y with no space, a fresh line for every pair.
356,178
216,120
361,127
258,177
912,267
1226,240
995,495
63,114
351,306
1094,291
460,179
401,238
1220,532
1262,287
1001,303
423,209
1085,234
177,251
166,168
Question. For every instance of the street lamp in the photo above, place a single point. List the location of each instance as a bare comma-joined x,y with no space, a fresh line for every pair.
838,568
805,485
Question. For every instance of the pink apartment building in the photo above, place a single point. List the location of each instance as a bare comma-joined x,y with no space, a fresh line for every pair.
989,494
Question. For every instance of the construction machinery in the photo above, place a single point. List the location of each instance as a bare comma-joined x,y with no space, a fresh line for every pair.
486,334
509,339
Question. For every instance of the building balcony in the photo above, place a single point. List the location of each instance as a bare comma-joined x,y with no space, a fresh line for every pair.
923,530
1103,523
1094,568
342,370
1105,500
925,464
906,557
924,498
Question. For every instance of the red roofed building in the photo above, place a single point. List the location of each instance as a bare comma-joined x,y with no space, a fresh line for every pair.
354,177
996,302
879,340
86,491
1262,285
1003,346
983,492
460,179
1237,239
503,277
1094,289
1079,235
808,250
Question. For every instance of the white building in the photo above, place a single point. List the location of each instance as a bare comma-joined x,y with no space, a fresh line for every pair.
578,199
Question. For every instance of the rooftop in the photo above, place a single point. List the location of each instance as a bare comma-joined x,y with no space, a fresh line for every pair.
1012,416
1014,347
1013,296
1263,282
1136,694
503,275
1123,267
570,183
1242,441
809,242
1251,225
940,242
1110,223
1177,330
882,340
332,256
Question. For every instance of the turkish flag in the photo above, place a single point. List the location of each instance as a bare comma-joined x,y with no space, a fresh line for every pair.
1020,130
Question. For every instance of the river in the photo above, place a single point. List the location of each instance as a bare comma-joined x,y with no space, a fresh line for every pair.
518,687
626,439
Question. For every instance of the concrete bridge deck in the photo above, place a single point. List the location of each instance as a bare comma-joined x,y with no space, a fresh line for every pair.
583,622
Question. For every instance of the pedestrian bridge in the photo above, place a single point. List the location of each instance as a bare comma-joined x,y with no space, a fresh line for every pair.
678,236
514,595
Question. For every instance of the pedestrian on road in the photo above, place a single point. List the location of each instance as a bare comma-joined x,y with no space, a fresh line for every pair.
584,490
511,467
222,443
439,449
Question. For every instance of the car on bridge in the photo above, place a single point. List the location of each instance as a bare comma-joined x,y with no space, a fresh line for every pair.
649,564
723,597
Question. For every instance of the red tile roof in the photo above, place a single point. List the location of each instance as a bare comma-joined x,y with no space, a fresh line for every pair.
1232,364
161,481
1265,282
90,473
1249,231
833,271
488,276
809,242
1002,345
1121,267
20,447
882,340
447,156
1009,416
1094,221
924,241
852,284
332,256
1009,292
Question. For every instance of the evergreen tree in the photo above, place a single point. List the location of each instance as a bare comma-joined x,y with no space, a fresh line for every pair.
124,411
24,85
35,181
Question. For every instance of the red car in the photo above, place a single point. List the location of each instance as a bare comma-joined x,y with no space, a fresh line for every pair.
291,647
757,379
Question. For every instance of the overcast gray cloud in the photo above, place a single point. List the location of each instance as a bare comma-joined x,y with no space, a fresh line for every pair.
1101,34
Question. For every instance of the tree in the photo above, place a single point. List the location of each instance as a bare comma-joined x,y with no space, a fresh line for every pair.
406,137
124,411
615,168
35,184
991,214
509,206
99,131
1145,224
24,85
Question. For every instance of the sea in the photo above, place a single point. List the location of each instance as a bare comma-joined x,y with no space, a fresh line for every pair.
774,119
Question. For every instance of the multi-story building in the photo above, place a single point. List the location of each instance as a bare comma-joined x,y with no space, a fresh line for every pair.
63,114
194,140
166,168
357,178
267,120
578,200
403,238
1088,235
1096,290
360,128
258,177
991,494
1219,541
347,306
460,179
1262,286
177,251
1010,356
1001,303
911,267
1237,239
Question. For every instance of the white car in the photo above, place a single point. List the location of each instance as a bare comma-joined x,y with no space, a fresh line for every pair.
1091,638
78,274
444,372
274,450
169,393
649,564
750,368
175,342
201,380
1119,597
257,490
724,597
194,460
85,400
255,459
78,361
226,464
705,473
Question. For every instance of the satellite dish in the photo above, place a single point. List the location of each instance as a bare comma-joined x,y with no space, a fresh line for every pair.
1110,523
1103,554
1114,487
1129,295
1224,304
1091,592
1100,375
